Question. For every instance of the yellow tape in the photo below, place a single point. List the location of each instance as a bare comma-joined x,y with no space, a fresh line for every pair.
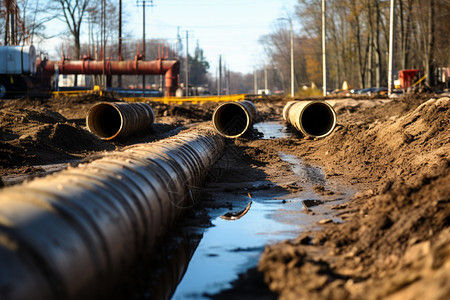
166,100
194,100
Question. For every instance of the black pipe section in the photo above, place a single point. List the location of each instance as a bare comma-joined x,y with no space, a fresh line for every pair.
117,119
70,235
233,119
312,118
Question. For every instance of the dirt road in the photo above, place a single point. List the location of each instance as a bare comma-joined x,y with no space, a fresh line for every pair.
394,239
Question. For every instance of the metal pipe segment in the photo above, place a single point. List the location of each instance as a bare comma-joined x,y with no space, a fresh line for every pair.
311,118
233,119
116,120
169,68
70,235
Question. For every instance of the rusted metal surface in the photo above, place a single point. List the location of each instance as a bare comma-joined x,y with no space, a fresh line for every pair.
70,235
311,118
233,119
169,68
117,120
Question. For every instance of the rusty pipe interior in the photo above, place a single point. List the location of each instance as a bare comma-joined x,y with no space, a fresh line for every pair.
311,118
233,119
114,120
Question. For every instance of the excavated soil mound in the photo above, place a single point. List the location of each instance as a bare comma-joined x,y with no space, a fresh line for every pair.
394,242
43,131
36,136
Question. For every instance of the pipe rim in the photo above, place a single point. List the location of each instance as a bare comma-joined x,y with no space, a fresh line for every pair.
330,110
218,112
90,123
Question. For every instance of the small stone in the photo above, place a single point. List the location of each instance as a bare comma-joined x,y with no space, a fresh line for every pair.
325,221
25,137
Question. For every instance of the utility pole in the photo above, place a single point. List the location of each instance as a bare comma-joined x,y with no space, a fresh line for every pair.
186,67
143,40
255,78
391,47
103,44
227,80
219,85
119,78
143,45
292,59
292,55
265,79
324,50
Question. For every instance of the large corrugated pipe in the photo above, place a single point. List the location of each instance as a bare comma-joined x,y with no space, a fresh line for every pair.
233,119
117,119
311,118
70,235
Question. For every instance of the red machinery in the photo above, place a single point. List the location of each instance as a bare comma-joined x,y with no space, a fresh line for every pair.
406,77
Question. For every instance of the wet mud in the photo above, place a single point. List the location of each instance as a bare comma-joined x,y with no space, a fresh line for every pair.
366,209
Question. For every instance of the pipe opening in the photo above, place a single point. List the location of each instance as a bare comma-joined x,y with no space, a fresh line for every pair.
231,120
104,120
318,119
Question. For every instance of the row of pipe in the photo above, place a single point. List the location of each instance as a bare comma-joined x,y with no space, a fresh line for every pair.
311,118
232,119
70,235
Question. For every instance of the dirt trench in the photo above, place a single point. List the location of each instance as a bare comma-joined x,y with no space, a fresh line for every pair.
394,241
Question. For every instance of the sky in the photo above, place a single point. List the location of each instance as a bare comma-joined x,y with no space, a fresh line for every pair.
230,28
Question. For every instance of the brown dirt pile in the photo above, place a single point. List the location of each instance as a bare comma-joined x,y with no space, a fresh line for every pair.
43,131
32,134
395,240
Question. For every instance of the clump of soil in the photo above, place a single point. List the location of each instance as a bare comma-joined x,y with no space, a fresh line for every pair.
37,136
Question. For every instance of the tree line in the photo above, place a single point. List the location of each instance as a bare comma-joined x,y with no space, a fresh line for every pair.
357,41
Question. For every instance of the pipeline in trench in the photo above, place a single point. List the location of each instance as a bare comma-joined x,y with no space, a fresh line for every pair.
70,235
268,213
106,236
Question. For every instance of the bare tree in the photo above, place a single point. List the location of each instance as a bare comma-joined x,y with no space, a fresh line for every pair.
72,12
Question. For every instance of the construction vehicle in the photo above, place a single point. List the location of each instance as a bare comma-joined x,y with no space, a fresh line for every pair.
17,69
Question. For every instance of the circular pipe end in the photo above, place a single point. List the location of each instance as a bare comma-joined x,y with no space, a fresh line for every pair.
104,120
317,119
231,119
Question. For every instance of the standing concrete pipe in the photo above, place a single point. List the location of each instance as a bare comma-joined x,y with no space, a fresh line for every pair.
233,119
311,118
70,235
116,120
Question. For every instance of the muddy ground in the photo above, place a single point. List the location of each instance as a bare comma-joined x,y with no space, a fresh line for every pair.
393,241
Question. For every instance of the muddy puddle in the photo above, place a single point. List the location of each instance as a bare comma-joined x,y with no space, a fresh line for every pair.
263,213
272,130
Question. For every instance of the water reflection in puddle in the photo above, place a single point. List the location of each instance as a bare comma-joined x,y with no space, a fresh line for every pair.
232,247
272,130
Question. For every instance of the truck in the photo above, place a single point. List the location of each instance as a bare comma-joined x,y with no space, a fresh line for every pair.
17,68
